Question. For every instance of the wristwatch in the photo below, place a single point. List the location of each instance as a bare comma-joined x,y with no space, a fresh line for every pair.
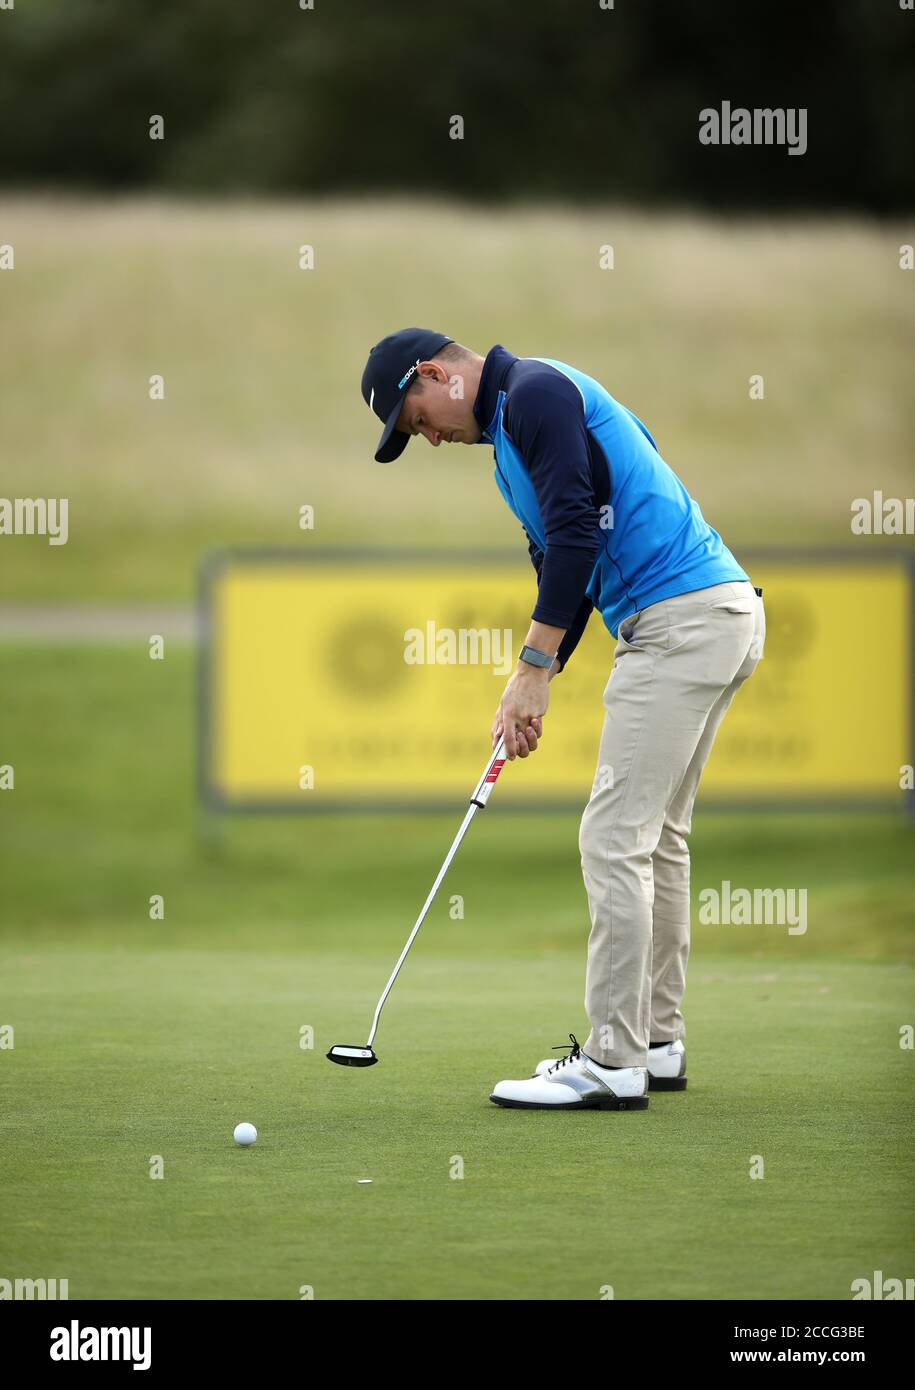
535,658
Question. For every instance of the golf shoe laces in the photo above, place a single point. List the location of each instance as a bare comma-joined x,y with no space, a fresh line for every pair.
573,1055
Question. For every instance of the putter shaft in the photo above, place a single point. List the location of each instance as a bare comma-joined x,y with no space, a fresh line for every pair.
477,801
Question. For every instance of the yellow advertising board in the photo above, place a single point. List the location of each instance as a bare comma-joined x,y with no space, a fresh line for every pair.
348,679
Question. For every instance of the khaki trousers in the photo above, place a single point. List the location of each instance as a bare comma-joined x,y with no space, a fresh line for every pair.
677,667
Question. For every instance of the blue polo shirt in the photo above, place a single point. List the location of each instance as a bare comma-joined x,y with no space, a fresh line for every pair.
609,525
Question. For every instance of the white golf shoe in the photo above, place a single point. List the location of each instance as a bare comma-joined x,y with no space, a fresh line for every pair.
577,1083
666,1065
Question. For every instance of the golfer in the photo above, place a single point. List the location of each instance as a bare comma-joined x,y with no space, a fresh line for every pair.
609,526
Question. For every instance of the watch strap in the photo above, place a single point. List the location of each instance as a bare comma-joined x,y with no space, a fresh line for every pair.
533,657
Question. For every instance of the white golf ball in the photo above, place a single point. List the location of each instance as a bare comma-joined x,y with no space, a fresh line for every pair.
245,1134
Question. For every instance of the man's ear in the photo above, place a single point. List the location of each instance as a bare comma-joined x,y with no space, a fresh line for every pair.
432,371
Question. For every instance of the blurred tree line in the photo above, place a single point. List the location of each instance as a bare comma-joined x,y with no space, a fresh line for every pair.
559,98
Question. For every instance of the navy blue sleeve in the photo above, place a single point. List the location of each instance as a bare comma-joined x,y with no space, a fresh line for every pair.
573,636
579,622
544,417
536,555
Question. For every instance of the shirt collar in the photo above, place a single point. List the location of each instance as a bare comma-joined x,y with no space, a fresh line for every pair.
496,366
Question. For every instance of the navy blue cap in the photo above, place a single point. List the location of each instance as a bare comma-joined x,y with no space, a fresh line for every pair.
388,376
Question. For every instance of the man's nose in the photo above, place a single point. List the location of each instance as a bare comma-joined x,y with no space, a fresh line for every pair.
434,436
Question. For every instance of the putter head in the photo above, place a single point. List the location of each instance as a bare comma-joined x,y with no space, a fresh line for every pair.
352,1056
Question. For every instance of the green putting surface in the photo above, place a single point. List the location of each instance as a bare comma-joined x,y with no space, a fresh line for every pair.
131,1052
137,1038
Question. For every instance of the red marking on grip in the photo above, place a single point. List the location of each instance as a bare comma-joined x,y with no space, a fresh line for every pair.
494,771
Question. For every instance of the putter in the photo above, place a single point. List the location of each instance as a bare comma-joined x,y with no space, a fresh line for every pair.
346,1054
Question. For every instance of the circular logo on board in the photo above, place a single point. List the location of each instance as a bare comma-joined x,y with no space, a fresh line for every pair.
365,657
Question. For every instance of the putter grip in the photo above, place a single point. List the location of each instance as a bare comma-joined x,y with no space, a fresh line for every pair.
488,780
